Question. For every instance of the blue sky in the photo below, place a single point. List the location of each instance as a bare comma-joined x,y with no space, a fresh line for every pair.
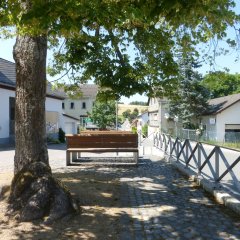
221,62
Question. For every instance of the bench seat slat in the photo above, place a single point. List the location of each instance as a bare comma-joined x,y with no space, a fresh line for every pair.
104,145
102,149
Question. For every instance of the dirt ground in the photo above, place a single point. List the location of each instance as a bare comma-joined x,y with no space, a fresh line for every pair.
99,199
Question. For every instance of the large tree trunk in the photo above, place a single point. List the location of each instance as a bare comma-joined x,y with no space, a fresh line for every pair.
30,57
34,192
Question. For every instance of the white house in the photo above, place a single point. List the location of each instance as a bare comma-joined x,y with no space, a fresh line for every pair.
54,117
79,108
141,120
223,118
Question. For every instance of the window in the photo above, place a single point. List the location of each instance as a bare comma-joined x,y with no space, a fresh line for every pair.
83,105
63,105
72,105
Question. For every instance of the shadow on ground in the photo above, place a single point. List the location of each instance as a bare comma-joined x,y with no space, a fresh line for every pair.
152,201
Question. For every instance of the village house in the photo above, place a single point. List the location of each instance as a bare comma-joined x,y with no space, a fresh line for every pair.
158,111
54,117
80,107
140,120
222,122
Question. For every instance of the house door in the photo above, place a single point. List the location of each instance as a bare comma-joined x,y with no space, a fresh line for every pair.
11,117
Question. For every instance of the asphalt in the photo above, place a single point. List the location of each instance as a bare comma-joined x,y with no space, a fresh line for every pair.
158,202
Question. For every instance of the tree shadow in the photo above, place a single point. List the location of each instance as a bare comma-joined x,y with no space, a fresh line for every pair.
151,201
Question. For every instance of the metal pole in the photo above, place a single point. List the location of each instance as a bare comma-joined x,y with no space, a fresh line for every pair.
116,115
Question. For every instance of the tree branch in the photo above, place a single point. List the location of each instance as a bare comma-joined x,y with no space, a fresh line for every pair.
115,45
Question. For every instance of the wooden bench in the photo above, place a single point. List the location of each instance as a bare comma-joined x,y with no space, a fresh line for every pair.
101,143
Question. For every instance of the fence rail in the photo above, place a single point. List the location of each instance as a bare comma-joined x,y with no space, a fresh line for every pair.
215,163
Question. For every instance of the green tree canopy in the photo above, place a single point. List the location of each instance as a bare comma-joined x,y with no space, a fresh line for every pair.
131,50
221,83
104,114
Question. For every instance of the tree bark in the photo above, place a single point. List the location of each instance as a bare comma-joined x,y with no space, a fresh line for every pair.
30,125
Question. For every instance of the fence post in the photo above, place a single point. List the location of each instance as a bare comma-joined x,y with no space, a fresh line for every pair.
199,158
177,151
187,147
171,146
217,163
139,137
160,140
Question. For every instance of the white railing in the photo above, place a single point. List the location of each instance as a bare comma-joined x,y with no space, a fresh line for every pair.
219,164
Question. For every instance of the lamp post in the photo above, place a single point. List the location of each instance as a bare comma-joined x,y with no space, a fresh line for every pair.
176,121
116,115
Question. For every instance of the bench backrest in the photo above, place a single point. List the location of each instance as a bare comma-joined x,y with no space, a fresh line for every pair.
103,141
105,132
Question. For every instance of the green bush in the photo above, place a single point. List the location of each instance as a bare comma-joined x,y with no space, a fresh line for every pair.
52,140
134,129
145,130
61,135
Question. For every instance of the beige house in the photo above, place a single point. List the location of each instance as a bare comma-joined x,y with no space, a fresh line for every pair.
79,108
222,121
158,112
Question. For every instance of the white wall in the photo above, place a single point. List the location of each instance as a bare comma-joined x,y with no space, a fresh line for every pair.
211,129
51,104
78,110
4,112
55,105
229,116
70,125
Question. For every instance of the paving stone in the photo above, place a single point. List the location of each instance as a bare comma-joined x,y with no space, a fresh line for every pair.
173,209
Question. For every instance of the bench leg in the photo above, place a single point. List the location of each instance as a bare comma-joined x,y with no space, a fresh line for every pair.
68,163
135,156
74,156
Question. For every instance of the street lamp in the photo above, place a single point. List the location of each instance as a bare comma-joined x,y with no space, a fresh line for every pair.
176,121
116,115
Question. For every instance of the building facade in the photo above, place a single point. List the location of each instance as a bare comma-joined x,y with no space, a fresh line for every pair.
158,111
222,122
79,108
53,105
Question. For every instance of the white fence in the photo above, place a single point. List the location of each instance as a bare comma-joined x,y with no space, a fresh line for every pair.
218,164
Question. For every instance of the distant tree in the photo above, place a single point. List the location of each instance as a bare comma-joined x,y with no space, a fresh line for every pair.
126,114
191,100
134,114
130,115
138,103
221,83
104,113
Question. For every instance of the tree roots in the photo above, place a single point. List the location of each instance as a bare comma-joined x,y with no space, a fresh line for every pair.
35,194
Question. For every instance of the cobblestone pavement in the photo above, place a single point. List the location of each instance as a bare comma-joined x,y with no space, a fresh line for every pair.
165,205
157,202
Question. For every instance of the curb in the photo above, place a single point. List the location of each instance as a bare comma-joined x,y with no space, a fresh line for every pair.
211,187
